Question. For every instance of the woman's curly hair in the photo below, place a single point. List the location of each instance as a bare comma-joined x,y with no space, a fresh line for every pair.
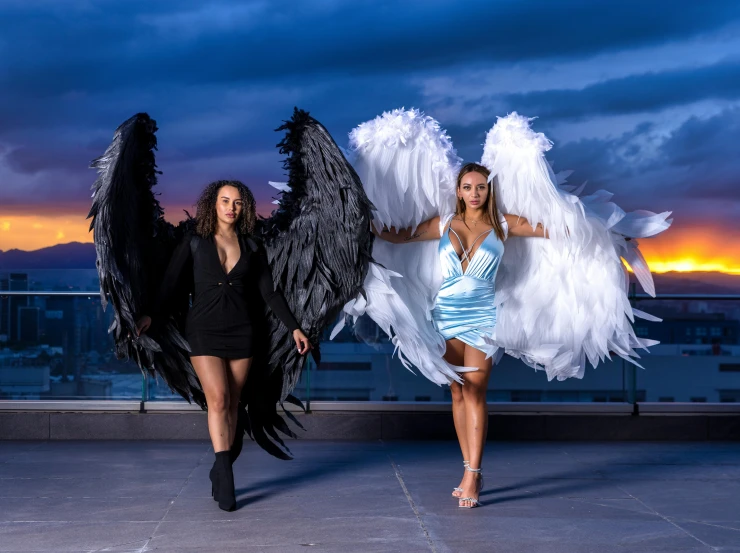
205,214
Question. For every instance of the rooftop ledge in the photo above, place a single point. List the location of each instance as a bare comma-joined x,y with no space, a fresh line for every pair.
502,408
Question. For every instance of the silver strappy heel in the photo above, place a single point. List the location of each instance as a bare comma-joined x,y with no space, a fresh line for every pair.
466,464
479,484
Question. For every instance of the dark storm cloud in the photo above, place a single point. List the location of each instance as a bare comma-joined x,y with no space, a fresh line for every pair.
706,151
603,162
636,93
695,172
60,48
468,140
705,142
220,77
26,160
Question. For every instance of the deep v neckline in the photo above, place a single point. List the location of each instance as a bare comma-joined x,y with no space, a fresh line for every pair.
218,258
466,252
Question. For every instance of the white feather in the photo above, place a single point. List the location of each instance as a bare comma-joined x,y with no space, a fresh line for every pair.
570,291
409,169
407,165
282,186
562,302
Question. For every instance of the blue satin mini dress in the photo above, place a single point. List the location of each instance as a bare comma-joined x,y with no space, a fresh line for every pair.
464,306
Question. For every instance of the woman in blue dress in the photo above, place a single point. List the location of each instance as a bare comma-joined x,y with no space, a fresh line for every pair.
470,247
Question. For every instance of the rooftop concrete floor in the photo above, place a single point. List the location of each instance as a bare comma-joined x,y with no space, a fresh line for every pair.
371,497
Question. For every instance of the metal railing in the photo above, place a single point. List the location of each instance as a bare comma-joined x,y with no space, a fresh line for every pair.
145,402
42,293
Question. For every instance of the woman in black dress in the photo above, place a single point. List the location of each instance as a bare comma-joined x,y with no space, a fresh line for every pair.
227,265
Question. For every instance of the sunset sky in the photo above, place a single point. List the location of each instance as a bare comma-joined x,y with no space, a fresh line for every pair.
641,98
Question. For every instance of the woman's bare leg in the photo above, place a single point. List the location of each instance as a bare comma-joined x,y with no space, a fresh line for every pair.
455,355
476,417
238,370
212,373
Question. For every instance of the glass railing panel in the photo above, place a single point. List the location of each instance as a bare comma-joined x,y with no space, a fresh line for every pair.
156,389
698,359
366,369
56,347
513,381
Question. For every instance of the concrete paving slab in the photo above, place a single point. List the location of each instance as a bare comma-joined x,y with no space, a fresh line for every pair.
76,536
630,534
144,485
352,531
65,509
370,497
551,546
710,500
718,535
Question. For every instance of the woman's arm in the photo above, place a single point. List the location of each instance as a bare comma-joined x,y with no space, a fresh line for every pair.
181,258
519,226
428,230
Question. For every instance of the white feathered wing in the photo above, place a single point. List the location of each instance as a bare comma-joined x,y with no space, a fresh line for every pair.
563,301
408,167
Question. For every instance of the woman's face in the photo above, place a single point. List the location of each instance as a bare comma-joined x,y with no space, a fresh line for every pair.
228,205
473,190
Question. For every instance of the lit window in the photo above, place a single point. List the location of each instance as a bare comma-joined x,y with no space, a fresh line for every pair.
701,331
715,331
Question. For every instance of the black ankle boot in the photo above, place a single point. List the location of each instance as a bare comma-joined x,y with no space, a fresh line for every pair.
224,485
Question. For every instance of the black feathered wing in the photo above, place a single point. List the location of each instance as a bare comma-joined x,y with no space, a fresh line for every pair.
133,244
319,245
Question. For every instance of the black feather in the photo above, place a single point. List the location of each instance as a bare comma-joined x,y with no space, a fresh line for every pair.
295,401
318,243
133,243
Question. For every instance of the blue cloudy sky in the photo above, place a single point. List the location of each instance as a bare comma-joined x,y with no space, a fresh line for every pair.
641,97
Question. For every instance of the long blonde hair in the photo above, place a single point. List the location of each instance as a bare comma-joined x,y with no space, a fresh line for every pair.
490,208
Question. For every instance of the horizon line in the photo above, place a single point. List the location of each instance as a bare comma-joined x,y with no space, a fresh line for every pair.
677,266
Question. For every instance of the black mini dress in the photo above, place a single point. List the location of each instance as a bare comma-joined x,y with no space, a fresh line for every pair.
221,318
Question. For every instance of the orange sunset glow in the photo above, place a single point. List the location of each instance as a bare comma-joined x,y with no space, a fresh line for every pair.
685,250
681,250
31,232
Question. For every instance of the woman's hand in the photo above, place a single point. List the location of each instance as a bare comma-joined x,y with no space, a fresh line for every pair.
301,341
519,226
143,324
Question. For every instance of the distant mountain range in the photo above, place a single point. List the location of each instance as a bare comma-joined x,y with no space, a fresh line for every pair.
76,255
696,283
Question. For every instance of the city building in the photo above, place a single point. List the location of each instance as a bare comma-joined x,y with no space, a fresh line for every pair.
66,352
17,282
691,328
28,324
4,310
670,373
24,375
